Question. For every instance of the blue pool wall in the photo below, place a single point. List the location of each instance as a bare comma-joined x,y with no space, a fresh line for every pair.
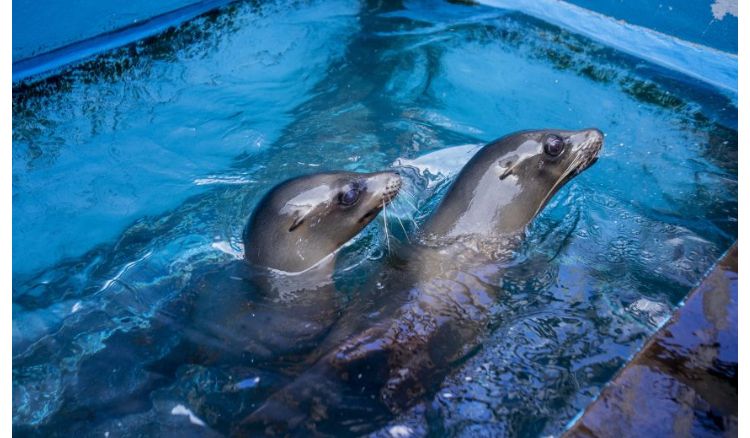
43,26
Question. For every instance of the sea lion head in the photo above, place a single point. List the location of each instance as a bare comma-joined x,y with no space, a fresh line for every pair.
502,188
303,220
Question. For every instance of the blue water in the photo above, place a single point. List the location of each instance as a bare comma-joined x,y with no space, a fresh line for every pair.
134,173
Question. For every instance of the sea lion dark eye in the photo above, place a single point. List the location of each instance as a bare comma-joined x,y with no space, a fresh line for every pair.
553,145
349,198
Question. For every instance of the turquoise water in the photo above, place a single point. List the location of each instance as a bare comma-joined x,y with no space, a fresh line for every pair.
133,175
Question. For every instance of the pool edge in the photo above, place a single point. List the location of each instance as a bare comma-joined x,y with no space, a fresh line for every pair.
665,381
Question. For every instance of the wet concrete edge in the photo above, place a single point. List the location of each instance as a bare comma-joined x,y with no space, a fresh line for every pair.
683,382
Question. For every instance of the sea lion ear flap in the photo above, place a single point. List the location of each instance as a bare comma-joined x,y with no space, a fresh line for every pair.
505,174
299,219
505,169
299,215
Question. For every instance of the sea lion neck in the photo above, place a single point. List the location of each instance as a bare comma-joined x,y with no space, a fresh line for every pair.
291,287
475,201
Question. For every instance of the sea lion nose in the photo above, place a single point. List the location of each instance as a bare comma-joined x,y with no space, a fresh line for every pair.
596,140
590,140
596,134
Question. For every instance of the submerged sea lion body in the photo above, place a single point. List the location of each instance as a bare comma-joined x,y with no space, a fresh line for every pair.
396,346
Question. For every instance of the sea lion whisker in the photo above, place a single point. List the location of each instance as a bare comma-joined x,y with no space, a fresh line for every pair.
403,211
416,209
403,228
403,208
400,206
385,225
560,180
416,226
407,193
411,216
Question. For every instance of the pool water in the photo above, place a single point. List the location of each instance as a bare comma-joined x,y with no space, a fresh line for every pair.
133,175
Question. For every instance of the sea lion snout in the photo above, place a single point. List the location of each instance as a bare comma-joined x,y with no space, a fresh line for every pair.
593,140
392,187
587,144
386,184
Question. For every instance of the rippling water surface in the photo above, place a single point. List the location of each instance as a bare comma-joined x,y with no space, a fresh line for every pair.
133,175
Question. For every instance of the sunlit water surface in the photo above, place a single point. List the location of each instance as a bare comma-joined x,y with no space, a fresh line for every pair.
133,175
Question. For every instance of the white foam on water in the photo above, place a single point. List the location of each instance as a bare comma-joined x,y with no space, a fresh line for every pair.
182,410
400,431
441,163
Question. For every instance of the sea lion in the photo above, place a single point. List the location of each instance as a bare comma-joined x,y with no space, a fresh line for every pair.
281,298
394,347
